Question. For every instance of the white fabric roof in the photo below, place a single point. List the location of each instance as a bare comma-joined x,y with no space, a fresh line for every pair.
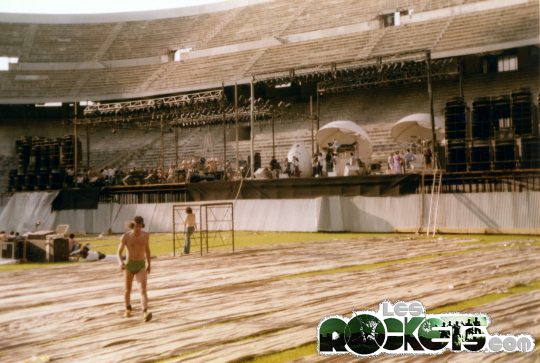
416,126
345,132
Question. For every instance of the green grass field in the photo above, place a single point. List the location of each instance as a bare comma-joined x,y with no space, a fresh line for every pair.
162,243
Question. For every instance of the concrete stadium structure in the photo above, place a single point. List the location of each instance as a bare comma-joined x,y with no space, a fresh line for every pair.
316,46
368,61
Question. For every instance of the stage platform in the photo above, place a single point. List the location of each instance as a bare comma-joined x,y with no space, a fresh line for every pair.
290,188
302,188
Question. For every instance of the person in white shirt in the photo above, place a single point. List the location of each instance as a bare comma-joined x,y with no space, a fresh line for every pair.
409,158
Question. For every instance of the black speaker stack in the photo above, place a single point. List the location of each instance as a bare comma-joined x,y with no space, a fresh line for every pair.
455,114
42,162
500,133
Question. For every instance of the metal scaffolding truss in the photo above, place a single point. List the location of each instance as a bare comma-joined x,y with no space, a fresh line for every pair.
168,119
215,226
325,71
228,117
405,67
399,72
154,103
183,111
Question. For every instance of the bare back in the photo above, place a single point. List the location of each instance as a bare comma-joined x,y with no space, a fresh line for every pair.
190,220
136,244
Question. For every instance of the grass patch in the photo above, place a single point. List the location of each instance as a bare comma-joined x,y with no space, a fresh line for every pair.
161,244
486,299
285,355
28,266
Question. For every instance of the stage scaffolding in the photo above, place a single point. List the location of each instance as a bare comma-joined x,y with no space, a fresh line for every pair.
350,74
168,114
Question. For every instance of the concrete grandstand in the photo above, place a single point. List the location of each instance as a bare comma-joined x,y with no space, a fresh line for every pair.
324,50
105,117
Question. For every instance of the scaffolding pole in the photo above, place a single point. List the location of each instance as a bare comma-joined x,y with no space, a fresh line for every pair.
75,148
224,131
431,112
236,124
311,122
252,127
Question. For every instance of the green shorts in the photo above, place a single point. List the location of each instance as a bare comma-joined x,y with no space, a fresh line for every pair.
135,266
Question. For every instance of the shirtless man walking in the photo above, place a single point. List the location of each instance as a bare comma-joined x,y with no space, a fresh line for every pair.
137,244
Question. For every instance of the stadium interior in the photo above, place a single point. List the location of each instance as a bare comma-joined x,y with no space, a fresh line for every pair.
392,146
195,94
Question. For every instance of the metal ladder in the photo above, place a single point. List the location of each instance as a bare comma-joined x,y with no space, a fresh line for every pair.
434,199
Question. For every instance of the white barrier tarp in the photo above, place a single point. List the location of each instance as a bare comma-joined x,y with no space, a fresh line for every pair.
492,211
330,214
468,211
87,220
381,214
288,215
25,209
157,217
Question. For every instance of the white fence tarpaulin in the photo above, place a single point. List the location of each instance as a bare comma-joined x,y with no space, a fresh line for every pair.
504,212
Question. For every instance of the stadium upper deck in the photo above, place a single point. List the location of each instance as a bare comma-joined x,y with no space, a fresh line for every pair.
118,56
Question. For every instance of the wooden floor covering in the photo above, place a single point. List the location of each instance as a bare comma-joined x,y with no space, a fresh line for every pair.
228,307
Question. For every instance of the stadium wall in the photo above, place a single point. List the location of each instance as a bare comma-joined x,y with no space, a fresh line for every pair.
458,213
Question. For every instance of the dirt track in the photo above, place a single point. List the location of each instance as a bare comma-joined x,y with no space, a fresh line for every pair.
225,307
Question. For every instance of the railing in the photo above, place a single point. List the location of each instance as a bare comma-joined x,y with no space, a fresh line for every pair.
135,194
486,182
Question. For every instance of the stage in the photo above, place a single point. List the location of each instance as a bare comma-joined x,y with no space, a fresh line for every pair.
377,185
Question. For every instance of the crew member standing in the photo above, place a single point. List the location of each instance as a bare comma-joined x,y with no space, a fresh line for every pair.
190,227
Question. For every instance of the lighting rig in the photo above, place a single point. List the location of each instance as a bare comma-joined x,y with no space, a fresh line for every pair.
386,74
400,68
181,111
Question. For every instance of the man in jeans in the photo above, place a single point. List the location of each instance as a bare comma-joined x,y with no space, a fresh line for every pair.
190,226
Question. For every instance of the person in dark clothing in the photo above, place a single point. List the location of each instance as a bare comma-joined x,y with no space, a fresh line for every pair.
427,157
329,162
275,168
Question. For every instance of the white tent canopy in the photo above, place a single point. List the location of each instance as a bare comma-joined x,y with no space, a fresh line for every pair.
416,126
345,133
